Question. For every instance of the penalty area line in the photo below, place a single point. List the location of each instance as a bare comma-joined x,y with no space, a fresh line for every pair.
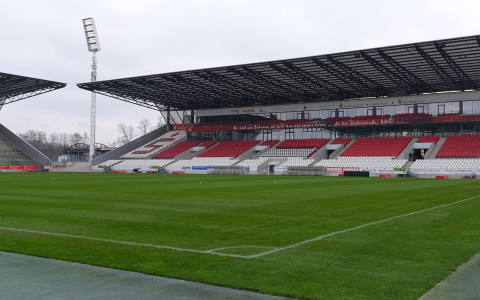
355,228
123,242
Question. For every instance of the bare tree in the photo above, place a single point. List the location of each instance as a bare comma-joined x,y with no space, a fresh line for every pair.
127,134
144,126
161,121
76,138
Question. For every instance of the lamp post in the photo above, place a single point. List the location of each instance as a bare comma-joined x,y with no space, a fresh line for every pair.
93,44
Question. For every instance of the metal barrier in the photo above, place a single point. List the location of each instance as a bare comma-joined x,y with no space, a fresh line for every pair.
227,170
307,171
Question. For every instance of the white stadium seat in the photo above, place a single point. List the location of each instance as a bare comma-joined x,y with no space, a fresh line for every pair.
205,162
362,162
446,163
144,162
297,162
253,162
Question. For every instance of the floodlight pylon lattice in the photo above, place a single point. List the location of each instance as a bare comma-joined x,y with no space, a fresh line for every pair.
93,45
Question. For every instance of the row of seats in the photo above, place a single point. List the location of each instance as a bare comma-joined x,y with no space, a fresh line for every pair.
205,162
446,163
412,115
267,122
362,162
341,141
176,149
377,146
295,121
207,144
428,139
275,152
253,162
269,143
110,162
376,117
157,145
297,162
337,119
144,163
464,145
229,148
302,143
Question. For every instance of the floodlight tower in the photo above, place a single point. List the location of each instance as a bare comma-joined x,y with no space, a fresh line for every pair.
93,46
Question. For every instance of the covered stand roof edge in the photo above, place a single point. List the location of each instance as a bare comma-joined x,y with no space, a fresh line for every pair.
401,70
14,88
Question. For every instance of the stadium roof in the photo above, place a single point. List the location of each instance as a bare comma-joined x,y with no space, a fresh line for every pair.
15,87
410,69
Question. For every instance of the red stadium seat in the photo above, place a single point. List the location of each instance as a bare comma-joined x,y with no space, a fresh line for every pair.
464,145
341,141
229,148
176,149
377,146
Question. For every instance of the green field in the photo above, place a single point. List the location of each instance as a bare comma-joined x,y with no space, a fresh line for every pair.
261,227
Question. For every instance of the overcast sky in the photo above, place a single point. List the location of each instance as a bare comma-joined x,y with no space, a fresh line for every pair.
45,39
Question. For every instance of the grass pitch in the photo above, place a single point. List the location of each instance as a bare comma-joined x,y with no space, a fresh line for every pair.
223,229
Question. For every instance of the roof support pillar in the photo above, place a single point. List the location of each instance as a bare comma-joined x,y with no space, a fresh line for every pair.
192,116
168,115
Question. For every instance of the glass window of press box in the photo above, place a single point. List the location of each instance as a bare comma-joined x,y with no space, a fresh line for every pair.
468,107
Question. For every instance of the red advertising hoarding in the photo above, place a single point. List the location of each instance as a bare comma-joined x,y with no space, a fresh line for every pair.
18,167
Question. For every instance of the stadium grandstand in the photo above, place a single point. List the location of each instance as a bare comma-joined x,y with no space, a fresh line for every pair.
409,110
15,153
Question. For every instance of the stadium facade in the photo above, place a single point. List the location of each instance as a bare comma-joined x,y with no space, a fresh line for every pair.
368,99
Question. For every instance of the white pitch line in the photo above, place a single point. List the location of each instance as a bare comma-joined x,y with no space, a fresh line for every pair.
121,242
212,251
355,228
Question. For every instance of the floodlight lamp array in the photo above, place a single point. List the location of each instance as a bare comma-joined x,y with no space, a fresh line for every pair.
91,35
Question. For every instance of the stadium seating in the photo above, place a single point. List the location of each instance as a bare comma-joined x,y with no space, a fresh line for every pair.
205,162
269,143
157,145
214,124
464,145
341,141
176,149
267,122
290,152
302,143
11,155
207,144
295,121
337,119
362,162
377,146
412,115
296,162
377,117
446,163
229,148
428,139
110,163
253,162
144,163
